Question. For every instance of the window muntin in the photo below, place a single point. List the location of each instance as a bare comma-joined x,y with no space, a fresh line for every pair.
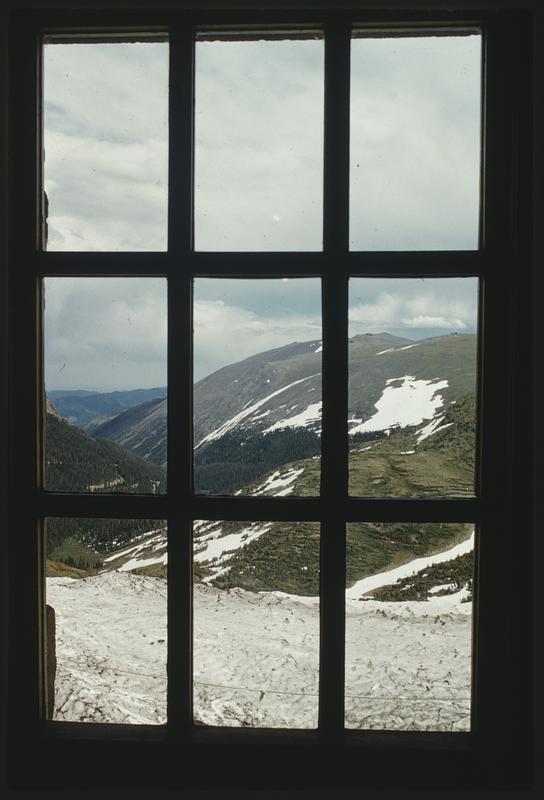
204,84
105,145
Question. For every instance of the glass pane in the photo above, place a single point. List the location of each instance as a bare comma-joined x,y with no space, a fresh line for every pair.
106,620
409,626
106,145
259,145
412,386
105,379
415,142
256,624
257,399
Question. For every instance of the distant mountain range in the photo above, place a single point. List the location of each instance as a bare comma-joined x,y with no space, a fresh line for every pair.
87,409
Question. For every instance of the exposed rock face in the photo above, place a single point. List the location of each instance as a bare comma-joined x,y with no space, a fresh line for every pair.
50,408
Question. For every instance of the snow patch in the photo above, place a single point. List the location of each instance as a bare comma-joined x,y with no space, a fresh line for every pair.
278,481
433,427
136,563
310,414
397,349
442,587
247,411
391,576
408,347
411,403
216,546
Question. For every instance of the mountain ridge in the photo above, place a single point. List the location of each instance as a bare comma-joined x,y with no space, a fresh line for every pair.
279,392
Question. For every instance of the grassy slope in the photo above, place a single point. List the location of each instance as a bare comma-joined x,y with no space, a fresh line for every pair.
286,558
452,575
57,569
452,357
442,466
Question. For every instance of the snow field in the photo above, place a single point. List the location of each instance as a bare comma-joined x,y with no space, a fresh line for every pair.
410,403
408,664
111,648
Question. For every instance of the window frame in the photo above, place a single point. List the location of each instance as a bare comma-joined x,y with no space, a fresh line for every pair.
489,755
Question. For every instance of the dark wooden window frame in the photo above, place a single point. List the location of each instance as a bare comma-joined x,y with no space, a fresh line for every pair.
496,753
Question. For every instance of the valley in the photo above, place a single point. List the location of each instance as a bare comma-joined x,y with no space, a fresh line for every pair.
257,428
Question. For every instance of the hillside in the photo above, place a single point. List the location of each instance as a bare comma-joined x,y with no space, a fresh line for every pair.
259,556
141,429
253,416
76,462
412,434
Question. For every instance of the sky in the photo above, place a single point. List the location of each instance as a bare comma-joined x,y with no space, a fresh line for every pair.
258,186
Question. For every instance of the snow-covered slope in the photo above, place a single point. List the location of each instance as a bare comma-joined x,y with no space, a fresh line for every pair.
256,657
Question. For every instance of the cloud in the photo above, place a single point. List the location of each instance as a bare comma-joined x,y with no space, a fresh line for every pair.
225,334
259,175
415,143
110,333
412,306
105,333
433,322
415,117
259,145
106,146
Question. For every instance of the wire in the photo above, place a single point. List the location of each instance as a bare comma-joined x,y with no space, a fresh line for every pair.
276,691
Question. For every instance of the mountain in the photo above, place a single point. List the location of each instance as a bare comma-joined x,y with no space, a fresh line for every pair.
141,429
87,410
284,556
76,462
257,414
412,433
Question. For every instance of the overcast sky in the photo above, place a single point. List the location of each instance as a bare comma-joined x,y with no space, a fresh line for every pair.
258,177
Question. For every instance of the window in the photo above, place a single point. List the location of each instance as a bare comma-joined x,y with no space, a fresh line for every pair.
332,220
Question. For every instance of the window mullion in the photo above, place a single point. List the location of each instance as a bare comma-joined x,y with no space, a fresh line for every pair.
25,547
179,436
334,480
506,134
